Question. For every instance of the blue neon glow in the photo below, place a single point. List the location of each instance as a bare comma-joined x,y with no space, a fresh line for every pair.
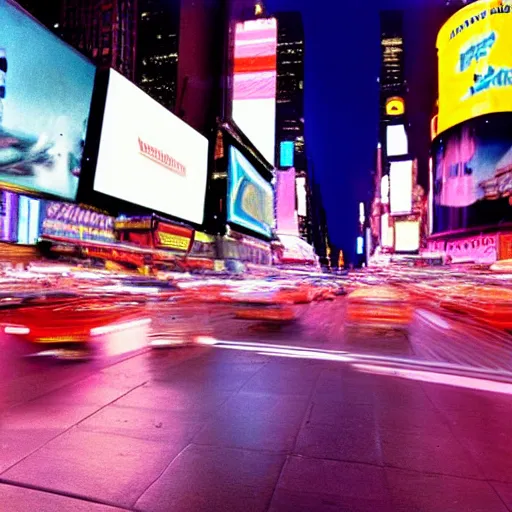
250,198
286,153
360,244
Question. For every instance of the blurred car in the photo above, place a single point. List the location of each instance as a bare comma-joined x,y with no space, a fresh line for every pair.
379,306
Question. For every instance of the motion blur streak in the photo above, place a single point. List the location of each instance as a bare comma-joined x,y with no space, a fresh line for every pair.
11,329
109,329
433,319
439,378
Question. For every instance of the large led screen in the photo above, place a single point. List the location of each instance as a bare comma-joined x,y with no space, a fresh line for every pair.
45,98
400,183
286,203
473,174
254,83
397,143
407,236
250,197
475,63
149,157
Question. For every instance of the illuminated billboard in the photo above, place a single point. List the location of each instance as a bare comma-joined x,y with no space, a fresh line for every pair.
148,156
302,198
472,171
250,197
400,184
286,153
475,62
254,83
396,140
407,236
286,211
395,106
45,98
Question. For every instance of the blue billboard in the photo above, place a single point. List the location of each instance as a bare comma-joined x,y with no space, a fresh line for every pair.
45,98
286,153
250,197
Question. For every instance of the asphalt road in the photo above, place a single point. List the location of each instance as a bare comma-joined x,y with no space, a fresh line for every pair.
302,417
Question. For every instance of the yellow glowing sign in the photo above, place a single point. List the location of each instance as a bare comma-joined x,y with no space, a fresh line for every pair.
395,106
475,62
173,241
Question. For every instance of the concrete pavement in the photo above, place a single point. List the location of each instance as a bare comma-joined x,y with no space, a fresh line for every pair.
228,429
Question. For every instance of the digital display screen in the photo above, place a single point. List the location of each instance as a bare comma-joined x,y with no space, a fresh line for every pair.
396,141
286,208
407,236
254,84
475,63
286,153
302,203
400,195
148,156
45,99
250,196
472,172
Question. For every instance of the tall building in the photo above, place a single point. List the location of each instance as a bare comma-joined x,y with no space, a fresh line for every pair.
392,74
157,49
290,109
290,77
105,30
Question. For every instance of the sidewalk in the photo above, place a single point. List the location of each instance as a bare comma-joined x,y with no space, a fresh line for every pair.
210,429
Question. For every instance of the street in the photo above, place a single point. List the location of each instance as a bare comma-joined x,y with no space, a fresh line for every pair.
304,417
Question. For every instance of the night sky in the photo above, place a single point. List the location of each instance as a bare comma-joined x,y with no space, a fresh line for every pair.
342,65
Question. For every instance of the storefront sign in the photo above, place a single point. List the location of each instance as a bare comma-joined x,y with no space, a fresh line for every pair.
175,238
477,249
67,220
121,224
436,246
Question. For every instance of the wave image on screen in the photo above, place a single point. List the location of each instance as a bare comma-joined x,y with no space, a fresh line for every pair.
473,174
45,97
250,197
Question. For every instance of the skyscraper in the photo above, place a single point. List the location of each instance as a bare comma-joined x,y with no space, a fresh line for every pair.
290,108
157,49
105,30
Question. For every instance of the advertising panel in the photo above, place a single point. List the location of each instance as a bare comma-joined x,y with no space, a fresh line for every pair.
250,197
473,174
480,249
396,141
65,220
387,233
407,236
149,157
475,62
171,237
254,84
286,153
400,183
45,98
302,201
286,212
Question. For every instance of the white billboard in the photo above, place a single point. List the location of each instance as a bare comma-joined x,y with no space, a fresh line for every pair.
400,184
397,143
407,236
148,156
302,206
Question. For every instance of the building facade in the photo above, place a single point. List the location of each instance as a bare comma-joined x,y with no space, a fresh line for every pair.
290,110
104,30
157,49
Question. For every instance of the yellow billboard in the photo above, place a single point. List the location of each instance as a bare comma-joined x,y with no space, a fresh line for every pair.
475,62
